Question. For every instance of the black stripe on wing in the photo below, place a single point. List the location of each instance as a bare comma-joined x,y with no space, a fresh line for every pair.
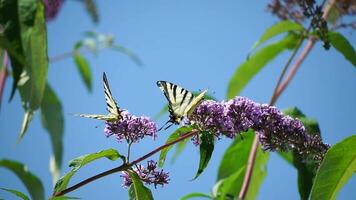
111,104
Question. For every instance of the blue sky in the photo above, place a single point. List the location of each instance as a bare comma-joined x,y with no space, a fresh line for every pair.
197,44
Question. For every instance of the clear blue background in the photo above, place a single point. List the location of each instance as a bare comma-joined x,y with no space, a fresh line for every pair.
197,44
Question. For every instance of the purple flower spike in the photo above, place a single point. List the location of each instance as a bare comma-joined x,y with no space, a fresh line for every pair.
52,7
149,175
131,128
274,130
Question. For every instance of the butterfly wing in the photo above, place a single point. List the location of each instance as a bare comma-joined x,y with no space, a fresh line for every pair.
180,100
108,118
193,105
111,105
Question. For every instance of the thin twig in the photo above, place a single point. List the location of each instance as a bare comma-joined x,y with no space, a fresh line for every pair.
277,92
3,74
124,166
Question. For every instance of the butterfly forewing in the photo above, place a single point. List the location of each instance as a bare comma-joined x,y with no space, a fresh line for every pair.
111,104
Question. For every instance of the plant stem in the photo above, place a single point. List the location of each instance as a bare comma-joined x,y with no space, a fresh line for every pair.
276,94
3,74
124,166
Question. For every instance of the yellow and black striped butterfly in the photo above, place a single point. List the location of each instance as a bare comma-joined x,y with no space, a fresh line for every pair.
181,102
111,106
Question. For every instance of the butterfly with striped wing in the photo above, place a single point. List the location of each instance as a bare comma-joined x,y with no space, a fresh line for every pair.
111,106
181,102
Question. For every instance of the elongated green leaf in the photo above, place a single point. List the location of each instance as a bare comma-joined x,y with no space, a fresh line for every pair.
84,69
172,137
336,169
179,149
137,190
10,39
25,123
164,110
195,195
135,58
53,121
31,182
236,158
228,184
306,168
81,161
341,44
34,42
276,29
247,70
91,8
17,193
206,151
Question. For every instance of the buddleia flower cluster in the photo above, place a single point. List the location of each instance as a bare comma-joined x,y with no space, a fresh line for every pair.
131,128
149,175
276,132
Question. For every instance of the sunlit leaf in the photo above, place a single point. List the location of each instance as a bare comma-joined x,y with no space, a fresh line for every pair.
336,169
236,158
84,69
32,183
247,70
276,29
81,161
34,41
25,123
195,195
17,193
206,151
53,121
176,134
137,190
228,184
340,43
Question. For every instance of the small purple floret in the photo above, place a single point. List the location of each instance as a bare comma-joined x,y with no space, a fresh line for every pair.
149,175
52,8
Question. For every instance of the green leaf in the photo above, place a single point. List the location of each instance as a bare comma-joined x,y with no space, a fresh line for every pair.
34,43
247,70
176,134
91,8
31,182
341,44
84,69
336,169
195,195
53,121
276,29
179,149
135,58
206,151
25,123
17,193
10,39
227,185
137,190
306,168
236,158
81,161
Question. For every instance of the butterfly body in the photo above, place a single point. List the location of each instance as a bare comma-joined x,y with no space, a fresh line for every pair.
181,102
111,106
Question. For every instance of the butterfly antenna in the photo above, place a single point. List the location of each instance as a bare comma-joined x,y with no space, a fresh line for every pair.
164,126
